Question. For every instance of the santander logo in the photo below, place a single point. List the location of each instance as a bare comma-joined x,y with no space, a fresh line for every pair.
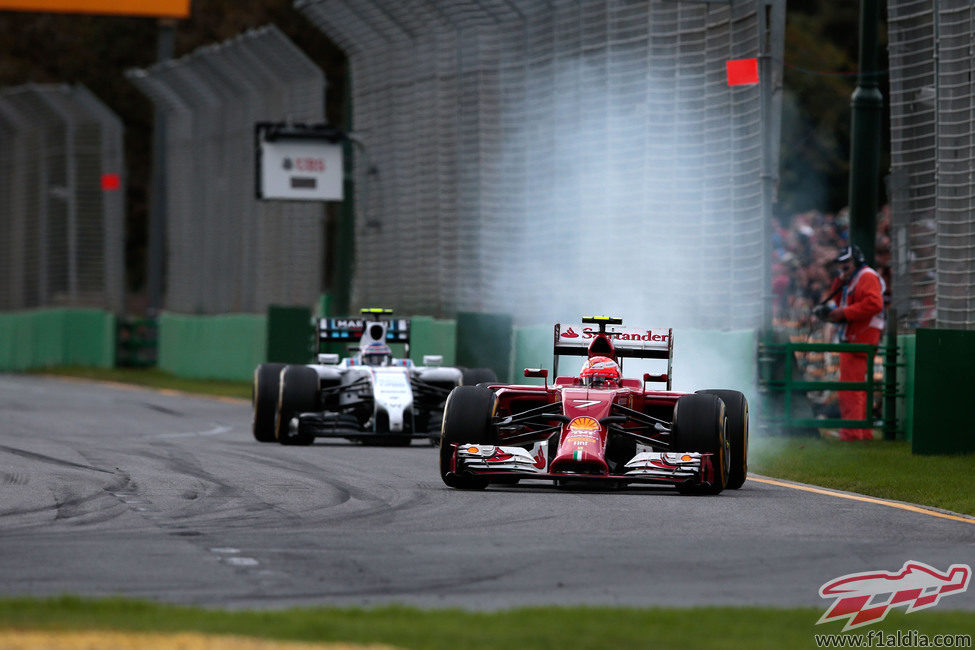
617,335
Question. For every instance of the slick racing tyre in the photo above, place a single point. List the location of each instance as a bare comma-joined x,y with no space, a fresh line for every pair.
466,419
297,393
699,425
736,408
264,398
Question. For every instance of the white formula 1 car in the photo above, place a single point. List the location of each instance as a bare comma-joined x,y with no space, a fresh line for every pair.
370,397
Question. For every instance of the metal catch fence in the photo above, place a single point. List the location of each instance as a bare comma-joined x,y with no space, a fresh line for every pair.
932,113
61,202
552,158
226,251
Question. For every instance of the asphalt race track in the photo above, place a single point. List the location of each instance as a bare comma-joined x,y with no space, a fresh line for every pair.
108,490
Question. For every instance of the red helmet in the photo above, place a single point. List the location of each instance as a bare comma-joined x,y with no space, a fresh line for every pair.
598,371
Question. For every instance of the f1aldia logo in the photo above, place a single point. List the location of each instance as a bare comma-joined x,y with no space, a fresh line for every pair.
865,598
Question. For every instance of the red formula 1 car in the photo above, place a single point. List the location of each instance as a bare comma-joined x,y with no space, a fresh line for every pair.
597,426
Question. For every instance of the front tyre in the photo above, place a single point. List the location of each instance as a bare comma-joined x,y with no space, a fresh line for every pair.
297,393
699,426
736,408
264,398
466,419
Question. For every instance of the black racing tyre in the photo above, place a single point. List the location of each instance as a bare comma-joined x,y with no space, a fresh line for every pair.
466,418
264,398
736,408
699,425
297,393
475,376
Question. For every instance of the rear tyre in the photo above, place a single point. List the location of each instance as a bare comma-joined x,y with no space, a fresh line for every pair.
475,376
297,393
264,398
736,408
699,426
467,418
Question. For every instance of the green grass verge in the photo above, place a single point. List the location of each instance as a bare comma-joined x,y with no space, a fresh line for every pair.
877,468
580,628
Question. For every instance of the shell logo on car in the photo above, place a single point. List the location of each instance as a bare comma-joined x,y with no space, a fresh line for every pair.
584,423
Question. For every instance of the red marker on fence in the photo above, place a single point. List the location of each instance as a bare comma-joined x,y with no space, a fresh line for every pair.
742,72
111,182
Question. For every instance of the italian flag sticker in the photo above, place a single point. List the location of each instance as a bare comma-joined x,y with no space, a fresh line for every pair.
577,454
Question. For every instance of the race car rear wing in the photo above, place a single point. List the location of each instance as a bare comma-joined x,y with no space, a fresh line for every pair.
632,342
374,325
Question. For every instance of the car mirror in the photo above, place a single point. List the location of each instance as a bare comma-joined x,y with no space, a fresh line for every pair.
329,359
662,378
432,359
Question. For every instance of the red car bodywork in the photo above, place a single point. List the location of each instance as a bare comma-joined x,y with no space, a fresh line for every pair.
566,431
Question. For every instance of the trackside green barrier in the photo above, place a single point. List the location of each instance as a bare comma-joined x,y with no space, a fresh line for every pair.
227,346
944,384
230,346
484,341
290,335
531,348
57,337
906,343
432,336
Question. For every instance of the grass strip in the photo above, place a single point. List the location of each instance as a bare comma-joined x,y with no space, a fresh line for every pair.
879,468
154,378
702,628
115,640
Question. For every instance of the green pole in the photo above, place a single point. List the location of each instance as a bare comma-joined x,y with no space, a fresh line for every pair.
867,104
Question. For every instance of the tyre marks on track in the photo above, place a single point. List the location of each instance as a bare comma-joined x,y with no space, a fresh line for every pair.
30,455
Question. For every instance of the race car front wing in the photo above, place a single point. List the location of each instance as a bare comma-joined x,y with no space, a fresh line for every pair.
665,468
343,425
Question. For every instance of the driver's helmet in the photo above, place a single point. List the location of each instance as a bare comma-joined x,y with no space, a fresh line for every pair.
600,371
376,354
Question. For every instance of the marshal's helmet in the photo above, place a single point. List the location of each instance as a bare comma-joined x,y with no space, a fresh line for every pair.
600,371
851,254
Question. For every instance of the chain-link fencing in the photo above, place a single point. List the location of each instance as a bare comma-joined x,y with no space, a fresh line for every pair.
61,203
227,251
932,113
547,159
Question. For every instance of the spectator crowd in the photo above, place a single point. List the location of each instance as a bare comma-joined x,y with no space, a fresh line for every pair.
802,248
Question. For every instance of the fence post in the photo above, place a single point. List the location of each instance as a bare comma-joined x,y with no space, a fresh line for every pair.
890,378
